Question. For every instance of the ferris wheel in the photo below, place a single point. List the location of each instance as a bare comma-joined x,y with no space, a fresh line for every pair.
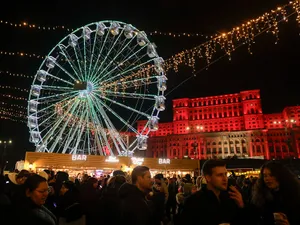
93,87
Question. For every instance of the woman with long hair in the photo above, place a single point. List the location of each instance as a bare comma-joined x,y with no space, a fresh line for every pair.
276,195
31,209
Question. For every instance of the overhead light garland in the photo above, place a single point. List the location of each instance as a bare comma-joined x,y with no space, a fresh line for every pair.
241,35
4,117
15,74
23,54
13,97
7,105
14,88
61,27
226,42
13,112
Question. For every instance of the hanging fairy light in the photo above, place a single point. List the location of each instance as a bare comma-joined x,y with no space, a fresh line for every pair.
8,105
15,74
23,54
4,117
241,35
61,27
13,88
13,97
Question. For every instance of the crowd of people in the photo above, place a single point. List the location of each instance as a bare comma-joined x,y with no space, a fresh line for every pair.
46,198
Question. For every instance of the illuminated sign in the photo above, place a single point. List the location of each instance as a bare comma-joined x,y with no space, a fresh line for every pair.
137,161
79,157
112,159
164,161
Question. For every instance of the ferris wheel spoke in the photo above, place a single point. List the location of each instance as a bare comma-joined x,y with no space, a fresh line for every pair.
58,78
127,71
79,135
111,129
132,83
88,131
69,138
50,106
104,136
128,57
100,130
119,53
100,53
78,59
72,131
108,53
54,126
62,128
64,70
56,88
130,95
117,116
93,52
57,95
84,56
124,106
69,60
49,116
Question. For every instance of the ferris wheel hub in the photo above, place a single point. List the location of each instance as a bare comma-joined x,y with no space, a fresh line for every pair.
84,88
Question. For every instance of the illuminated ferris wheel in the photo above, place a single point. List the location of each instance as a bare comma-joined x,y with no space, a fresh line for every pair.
92,88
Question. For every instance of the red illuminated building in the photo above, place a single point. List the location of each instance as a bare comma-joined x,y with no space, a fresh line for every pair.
225,126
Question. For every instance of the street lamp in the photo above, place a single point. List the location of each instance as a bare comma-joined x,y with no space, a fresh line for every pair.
3,143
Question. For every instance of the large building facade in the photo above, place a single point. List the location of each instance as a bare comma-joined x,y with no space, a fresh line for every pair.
225,126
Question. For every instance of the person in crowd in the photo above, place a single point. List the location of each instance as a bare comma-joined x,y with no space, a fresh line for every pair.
160,196
171,203
69,210
31,210
136,209
90,200
246,190
215,204
109,201
14,185
276,196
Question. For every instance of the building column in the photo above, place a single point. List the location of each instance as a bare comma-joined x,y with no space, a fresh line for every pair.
267,151
205,150
250,149
222,144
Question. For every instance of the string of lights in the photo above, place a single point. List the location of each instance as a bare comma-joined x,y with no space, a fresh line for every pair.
23,54
15,74
244,34
14,88
226,42
13,97
14,112
7,105
61,27
12,119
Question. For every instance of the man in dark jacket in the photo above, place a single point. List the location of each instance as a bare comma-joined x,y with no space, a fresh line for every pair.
214,205
135,208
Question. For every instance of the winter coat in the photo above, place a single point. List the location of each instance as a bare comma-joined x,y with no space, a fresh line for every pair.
205,205
135,208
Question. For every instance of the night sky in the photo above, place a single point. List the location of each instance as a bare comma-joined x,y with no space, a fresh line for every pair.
272,68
